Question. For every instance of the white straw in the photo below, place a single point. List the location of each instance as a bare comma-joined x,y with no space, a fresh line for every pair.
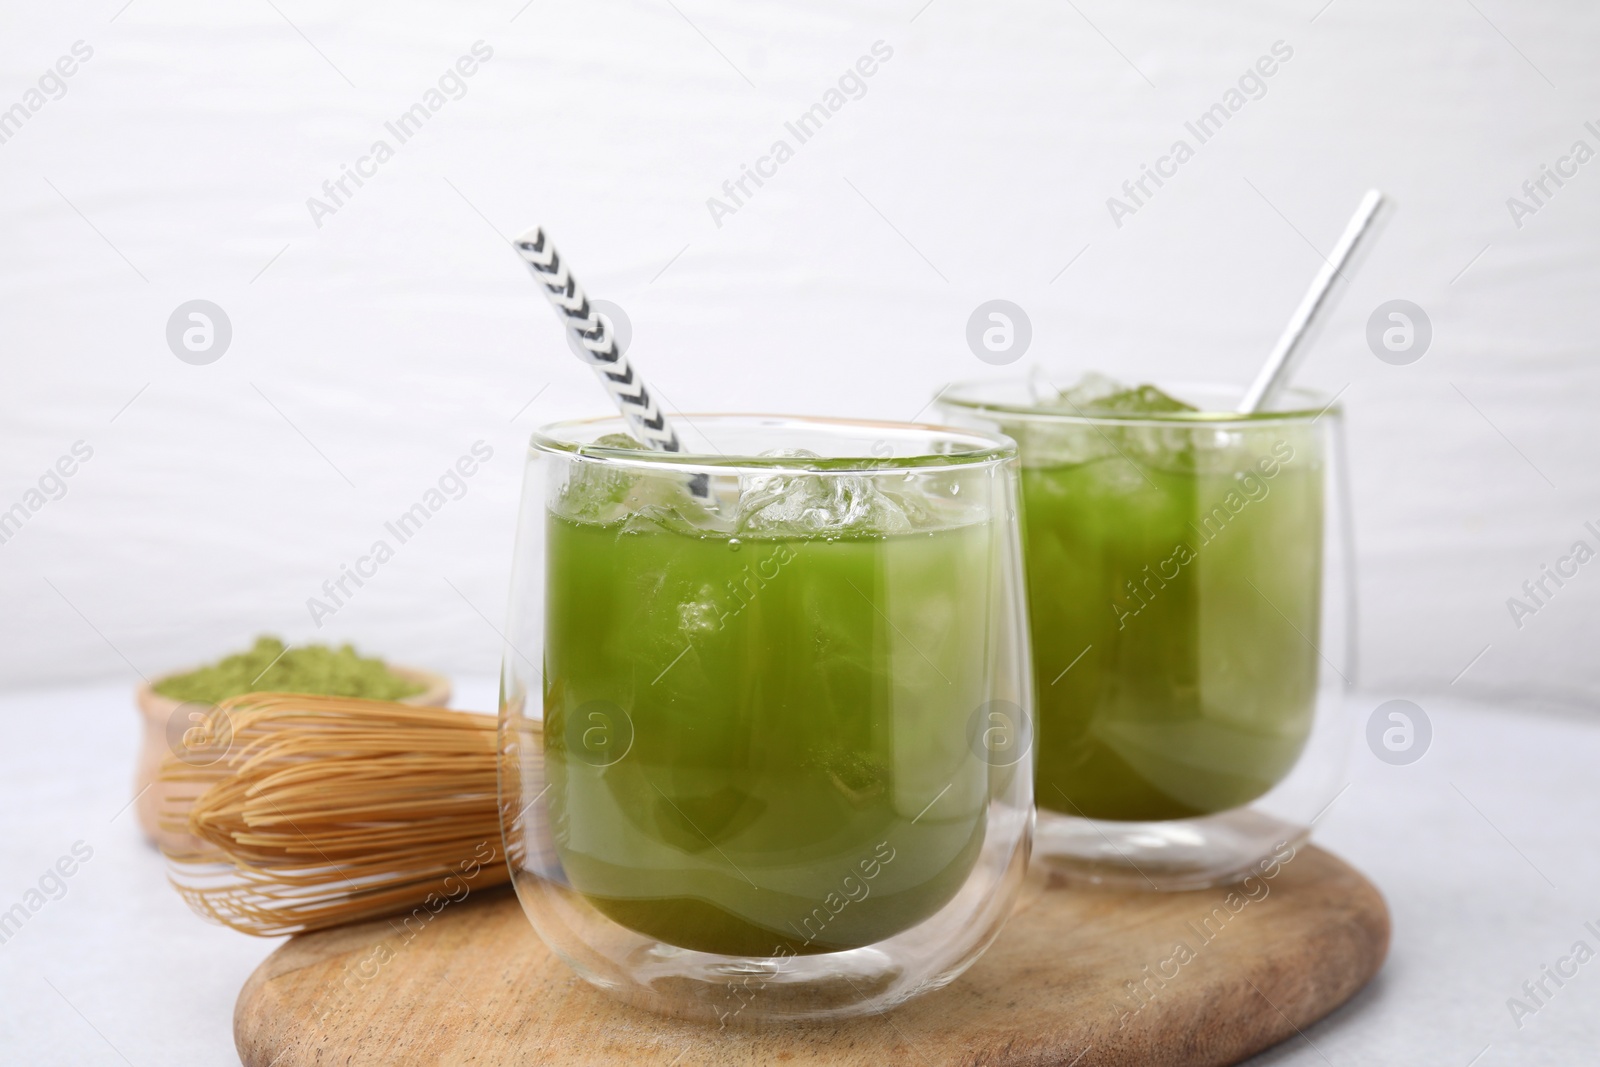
1275,373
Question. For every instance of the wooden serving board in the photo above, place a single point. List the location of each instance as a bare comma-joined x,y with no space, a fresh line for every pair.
476,986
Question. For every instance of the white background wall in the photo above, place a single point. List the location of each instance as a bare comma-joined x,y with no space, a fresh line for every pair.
370,352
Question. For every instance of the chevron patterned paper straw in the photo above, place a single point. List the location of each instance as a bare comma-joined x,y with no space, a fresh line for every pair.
596,341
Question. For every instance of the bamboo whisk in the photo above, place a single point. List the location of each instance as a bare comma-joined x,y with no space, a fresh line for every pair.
329,810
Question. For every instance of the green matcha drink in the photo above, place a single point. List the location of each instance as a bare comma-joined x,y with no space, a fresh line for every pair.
758,744
1174,570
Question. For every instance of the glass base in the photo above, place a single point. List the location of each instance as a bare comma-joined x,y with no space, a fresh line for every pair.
1173,855
731,991
727,991
742,990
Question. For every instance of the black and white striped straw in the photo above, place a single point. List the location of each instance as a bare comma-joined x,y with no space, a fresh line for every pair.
596,342
598,347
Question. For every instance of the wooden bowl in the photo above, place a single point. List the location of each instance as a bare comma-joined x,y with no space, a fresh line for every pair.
165,721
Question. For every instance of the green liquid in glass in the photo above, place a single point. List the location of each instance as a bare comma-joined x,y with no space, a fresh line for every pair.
759,746
1186,574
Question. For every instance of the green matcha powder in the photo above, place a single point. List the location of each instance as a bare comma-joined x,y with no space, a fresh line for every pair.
310,669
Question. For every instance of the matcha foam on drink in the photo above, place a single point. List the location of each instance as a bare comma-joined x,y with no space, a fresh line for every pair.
756,727
1174,573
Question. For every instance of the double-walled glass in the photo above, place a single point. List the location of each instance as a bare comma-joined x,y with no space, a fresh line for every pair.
763,711
1189,587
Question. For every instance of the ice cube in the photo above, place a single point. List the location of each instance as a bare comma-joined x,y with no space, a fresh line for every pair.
621,440
1096,394
1047,445
1141,400
640,497
595,491
803,503
1084,396
1040,388
701,614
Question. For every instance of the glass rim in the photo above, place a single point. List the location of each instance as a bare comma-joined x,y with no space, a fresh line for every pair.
981,446
1309,406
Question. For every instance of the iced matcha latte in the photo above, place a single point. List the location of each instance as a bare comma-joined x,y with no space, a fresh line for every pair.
757,709
1174,566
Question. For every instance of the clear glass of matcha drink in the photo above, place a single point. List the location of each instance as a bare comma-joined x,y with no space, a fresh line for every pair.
1188,589
764,711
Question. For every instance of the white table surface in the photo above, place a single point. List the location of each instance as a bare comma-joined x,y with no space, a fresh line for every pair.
1488,850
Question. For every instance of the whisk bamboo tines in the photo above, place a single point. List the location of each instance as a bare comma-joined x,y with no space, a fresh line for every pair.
329,810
